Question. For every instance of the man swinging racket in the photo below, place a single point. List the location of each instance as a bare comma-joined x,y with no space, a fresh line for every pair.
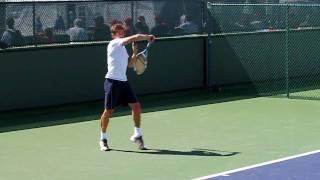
116,86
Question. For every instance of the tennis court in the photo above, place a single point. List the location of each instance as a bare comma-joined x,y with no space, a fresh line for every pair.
189,134
260,123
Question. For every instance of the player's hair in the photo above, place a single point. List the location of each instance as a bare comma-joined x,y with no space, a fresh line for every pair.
116,27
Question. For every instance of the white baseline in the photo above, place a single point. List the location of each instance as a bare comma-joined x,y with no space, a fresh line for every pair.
256,165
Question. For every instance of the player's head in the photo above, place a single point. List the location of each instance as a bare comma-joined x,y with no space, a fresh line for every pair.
117,30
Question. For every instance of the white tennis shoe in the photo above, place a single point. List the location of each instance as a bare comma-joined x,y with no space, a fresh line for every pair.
104,145
138,141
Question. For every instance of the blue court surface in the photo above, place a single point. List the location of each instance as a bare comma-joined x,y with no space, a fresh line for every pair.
300,167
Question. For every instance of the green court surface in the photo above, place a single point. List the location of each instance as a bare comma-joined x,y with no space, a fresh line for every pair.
189,135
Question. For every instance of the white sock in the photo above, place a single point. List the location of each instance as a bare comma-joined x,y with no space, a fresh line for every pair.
103,135
137,132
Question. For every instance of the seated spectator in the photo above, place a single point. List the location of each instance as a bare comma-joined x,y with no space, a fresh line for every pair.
59,24
256,22
12,37
46,37
176,31
38,25
71,18
187,25
77,33
101,31
129,27
141,26
244,23
306,22
160,28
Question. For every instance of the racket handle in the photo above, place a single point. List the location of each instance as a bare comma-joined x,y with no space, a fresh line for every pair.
148,45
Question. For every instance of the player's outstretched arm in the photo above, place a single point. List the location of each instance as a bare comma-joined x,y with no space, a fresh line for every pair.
138,37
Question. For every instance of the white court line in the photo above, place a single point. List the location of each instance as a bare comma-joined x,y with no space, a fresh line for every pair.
226,173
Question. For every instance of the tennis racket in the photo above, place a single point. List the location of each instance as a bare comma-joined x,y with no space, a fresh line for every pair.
141,62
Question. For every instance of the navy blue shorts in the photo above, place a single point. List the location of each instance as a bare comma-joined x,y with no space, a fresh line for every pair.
118,93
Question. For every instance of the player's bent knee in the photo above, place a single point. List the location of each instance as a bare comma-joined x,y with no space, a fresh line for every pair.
136,107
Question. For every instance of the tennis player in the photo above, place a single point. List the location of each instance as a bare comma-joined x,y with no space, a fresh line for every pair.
116,86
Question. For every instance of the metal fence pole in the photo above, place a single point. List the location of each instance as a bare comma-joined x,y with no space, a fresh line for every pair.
203,20
34,23
2,17
207,45
132,11
287,51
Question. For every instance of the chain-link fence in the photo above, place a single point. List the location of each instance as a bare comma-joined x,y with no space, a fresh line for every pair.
33,23
271,48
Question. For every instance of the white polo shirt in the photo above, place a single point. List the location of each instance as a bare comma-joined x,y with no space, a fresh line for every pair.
117,60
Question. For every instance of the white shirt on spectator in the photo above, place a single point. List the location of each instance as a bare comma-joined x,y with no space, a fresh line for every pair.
117,60
7,37
77,34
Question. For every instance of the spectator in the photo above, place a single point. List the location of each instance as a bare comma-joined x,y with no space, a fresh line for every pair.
244,23
71,18
141,25
256,24
160,28
11,36
38,25
101,31
177,31
46,37
306,22
129,27
187,25
77,33
59,24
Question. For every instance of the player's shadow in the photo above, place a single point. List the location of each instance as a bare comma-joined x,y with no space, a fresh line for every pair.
194,152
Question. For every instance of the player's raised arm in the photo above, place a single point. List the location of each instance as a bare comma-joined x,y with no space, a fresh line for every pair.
138,37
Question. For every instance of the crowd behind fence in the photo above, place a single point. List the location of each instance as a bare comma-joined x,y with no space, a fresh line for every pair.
234,18
35,23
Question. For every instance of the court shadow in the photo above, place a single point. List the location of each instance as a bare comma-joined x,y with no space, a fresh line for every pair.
194,152
88,111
